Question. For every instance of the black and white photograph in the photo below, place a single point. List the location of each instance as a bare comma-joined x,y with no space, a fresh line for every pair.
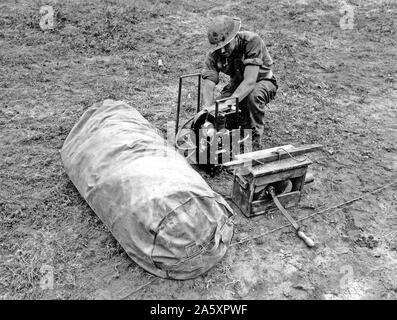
209,151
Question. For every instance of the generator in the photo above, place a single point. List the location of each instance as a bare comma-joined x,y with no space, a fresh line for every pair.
215,135
263,180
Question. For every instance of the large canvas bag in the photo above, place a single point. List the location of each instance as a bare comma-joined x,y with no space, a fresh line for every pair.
161,211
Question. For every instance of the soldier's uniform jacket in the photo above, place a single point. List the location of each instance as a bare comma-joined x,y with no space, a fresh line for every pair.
250,50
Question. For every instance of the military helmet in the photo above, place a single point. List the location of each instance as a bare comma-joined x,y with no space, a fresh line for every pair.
221,31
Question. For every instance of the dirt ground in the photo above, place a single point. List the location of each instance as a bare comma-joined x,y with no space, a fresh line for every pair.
337,88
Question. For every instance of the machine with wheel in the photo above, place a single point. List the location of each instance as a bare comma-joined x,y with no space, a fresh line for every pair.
215,135
264,180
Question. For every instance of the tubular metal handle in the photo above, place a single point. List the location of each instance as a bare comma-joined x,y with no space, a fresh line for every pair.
178,108
309,242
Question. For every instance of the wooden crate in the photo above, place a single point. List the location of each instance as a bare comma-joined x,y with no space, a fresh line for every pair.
248,188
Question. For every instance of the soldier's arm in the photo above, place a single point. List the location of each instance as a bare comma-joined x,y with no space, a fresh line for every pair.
253,61
210,75
208,92
248,84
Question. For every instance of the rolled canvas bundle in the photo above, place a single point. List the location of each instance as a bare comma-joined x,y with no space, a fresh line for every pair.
161,211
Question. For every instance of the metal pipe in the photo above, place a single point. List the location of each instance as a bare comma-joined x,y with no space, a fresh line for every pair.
199,93
190,75
216,113
178,108
309,242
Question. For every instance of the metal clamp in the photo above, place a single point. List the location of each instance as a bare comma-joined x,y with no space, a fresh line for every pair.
217,108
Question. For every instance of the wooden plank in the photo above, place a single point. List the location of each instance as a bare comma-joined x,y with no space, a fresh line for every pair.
279,166
288,200
241,197
263,153
280,176
265,157
241,180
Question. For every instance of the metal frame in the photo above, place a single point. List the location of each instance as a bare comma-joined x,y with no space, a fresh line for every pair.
178,110
217,108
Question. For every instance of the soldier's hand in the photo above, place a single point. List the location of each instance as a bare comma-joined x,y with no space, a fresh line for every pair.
230,102
208,107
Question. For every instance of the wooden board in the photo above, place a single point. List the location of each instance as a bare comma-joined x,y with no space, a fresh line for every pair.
280,176
263,153
269,155
242,196
279,166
